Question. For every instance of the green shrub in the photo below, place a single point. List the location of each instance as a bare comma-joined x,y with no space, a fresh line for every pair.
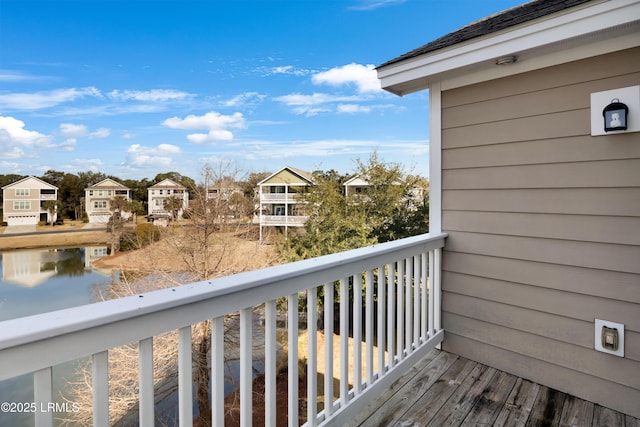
143,235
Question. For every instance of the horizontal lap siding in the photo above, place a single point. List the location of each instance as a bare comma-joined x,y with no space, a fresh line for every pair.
544,229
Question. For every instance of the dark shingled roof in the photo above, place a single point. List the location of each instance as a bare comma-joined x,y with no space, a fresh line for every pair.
509,18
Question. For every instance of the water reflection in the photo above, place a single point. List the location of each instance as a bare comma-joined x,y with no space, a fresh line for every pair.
41,280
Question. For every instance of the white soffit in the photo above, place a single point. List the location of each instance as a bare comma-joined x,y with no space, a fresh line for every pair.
578,33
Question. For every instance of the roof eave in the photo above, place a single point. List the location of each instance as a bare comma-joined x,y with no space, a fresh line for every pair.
586,31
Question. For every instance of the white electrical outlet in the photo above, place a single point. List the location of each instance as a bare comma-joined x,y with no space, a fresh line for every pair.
609,337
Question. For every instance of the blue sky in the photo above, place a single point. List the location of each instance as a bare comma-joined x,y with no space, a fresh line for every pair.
139,87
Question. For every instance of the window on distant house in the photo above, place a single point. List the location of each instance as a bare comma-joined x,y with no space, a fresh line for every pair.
100,204
22,191
21,205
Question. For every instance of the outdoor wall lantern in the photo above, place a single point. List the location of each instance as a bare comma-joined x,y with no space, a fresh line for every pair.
615,116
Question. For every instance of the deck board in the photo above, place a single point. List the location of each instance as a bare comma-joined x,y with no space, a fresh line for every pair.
437,395
449,390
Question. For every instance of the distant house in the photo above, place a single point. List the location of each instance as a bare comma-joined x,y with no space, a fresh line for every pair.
279,204
358,187
23,201
159,193
221,196
98,200
541,204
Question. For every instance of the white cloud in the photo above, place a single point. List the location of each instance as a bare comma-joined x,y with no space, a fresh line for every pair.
9,167
374,4
71,130
364,77
41,100
68,144
76,164
247,98
268,150
154,95
311,105
13,133
288,70
11,152
100,133
162,155
211,137
15,76
353,108
218,126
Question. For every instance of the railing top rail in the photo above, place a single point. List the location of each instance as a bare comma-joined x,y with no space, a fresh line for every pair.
172,305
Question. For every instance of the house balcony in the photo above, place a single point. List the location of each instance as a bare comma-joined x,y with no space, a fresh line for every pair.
279,197
385,297
284,220
48,196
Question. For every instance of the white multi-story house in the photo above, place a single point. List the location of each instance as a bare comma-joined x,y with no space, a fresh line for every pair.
359,186
23,201
280,205
162,191
98,200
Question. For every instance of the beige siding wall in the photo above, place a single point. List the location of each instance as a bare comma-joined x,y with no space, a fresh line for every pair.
544,226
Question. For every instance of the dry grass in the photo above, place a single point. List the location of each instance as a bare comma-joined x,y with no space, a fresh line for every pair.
230,251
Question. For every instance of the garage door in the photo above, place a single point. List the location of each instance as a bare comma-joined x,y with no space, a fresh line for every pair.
22,220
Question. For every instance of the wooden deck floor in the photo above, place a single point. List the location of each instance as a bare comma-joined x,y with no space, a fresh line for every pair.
448,390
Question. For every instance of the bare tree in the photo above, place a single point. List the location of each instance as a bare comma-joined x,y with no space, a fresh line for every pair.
206,247
117,206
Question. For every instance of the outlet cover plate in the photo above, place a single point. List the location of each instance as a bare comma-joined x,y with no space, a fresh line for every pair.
598,337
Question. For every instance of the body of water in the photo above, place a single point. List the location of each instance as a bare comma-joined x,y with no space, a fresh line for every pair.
38,281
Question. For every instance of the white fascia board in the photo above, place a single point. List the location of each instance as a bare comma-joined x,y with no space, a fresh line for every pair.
416,73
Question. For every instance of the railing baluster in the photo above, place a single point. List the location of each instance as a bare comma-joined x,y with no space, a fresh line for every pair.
382,321
437,289
217,371
312,361
185,375
357,333
270,373
328,348
408,279
344,342
424,295
432,329
246,365
369,325
42,396
416,302
145,379
292,343
400,311
100,388
391,315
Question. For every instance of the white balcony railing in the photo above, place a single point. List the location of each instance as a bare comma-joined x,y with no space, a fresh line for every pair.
400,317
278,197
290,220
